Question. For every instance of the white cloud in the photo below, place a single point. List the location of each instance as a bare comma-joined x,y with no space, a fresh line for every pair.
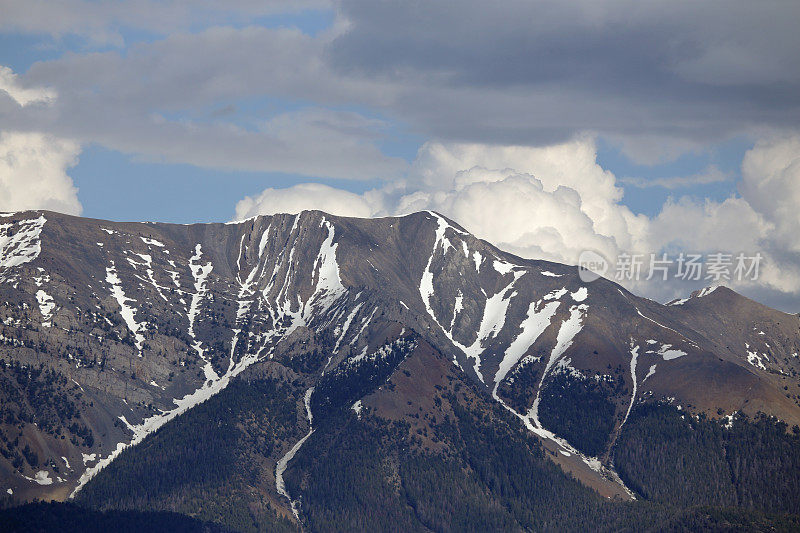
572,165
519,215
763,219
23,96
33,173
691,225
771,184
304,197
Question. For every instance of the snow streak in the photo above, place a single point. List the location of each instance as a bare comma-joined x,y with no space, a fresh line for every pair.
280,467
537,320
566,334
634,357
199,272
494,311
127,311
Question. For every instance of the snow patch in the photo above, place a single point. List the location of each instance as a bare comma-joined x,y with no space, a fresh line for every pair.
329,284
357,408
152,242
755,359
706,291
478,259
550,274
502,267
199,272
46,306
346,326
668,353
457,308
729,423
20,242
566,335
556,294
42,478
580,295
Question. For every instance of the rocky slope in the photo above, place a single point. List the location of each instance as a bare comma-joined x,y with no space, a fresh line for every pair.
109,331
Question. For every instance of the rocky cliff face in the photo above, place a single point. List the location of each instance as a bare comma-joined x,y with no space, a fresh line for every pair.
108,331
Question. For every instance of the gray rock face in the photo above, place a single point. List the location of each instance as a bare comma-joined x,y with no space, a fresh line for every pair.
110,330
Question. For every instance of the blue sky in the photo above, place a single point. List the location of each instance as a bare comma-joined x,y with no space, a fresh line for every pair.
583,125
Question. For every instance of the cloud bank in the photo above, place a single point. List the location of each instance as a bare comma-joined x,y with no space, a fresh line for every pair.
657,78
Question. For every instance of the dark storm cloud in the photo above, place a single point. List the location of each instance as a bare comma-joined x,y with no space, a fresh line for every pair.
607,66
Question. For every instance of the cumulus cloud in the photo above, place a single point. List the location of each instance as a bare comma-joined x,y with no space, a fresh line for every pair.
519,215
691,225
23,96
762,218
567,173
33,173
771,184
304,197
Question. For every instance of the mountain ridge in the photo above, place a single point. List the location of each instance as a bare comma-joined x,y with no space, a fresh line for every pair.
184,309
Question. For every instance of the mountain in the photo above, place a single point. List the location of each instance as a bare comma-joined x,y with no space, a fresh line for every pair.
343,373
